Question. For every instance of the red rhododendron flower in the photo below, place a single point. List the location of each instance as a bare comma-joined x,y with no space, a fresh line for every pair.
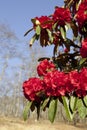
81,15
45,22
78,82
81,93
62,16
74,77
55,83
44,67
31,87
83,79
83,49
72,82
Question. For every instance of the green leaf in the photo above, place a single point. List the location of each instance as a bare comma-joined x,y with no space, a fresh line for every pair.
33,21
45,103
77,4
67,26
38,30
32,40
71,43
74,29
55,50
38,111
69,3
44,38
32,107
66,106
82,61
28,31
43,58
54,26
82,110
26,110
85,100
52,110
63,33
73,102
50,35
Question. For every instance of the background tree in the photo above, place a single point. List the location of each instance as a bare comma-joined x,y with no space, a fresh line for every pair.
15,60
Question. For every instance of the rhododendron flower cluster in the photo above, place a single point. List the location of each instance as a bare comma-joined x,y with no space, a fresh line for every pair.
81,14
32,87
62,77
78,82
63,17
56,83
44,67
83,49
45,22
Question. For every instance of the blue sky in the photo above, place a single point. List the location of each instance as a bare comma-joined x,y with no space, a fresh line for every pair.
18,13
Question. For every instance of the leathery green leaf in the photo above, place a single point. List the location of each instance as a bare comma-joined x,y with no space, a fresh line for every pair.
32,40
73,102
66,106
82,61
63,33
85,100
26,110
45,103
38,30
82,110
50,35
52,110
